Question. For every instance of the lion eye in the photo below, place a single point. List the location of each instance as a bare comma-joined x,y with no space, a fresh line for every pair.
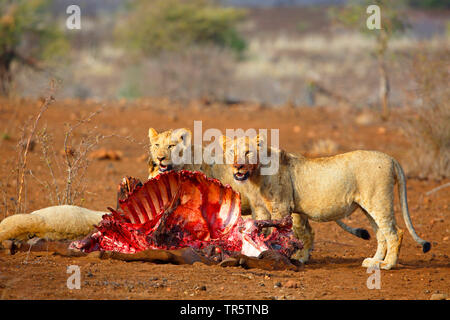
171,146
157,145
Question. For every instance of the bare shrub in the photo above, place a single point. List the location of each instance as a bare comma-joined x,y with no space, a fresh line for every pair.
65,182
429,129
24,146
323,147
63,179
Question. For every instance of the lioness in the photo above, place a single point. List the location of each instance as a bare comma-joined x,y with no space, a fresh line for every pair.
53,223
163,144
326,189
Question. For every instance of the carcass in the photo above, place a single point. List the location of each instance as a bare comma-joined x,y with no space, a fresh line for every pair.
186,210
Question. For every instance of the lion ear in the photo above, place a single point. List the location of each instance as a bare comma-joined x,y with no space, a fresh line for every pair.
152,133
182,135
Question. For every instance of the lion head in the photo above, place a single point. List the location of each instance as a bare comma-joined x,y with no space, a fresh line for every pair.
165,145
242,154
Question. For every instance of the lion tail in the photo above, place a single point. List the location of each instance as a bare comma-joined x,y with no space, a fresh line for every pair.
401,181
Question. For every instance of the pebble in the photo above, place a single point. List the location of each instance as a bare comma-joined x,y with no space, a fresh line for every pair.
277,285
291,284
381,130
202,288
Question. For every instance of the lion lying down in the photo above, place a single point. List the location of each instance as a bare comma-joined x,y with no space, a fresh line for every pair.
56,223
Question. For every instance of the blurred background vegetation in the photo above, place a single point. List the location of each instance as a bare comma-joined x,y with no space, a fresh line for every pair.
152,27
270,52
28,35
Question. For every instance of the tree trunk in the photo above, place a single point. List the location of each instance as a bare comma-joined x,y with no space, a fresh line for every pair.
384,79
5,72
384,89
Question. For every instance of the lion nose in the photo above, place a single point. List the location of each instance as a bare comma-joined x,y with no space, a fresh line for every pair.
161,158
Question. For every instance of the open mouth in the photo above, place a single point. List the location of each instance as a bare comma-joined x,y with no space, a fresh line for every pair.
240,176
164,168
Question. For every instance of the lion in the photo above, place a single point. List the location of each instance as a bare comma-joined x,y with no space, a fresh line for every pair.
163,144
326,189
53,223
161,147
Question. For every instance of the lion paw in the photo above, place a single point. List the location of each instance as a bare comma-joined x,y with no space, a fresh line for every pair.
301,255
371,262
386,266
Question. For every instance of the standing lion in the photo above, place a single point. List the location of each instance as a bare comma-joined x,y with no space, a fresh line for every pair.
326,189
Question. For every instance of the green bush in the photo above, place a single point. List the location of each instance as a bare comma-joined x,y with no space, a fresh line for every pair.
429,4
170,25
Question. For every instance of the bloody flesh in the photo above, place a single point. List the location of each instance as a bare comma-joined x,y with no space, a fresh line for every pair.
185,209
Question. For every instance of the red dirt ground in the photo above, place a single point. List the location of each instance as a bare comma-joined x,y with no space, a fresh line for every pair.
334,271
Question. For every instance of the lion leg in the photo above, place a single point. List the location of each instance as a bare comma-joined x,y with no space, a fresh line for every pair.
394,238
382,212
261,213
303,231
381,245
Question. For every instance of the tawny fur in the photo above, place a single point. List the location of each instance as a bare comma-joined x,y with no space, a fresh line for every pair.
161,147
327,189
53,223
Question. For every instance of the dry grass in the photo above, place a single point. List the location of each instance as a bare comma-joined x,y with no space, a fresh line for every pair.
65,182
323,147
429,129
26,144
